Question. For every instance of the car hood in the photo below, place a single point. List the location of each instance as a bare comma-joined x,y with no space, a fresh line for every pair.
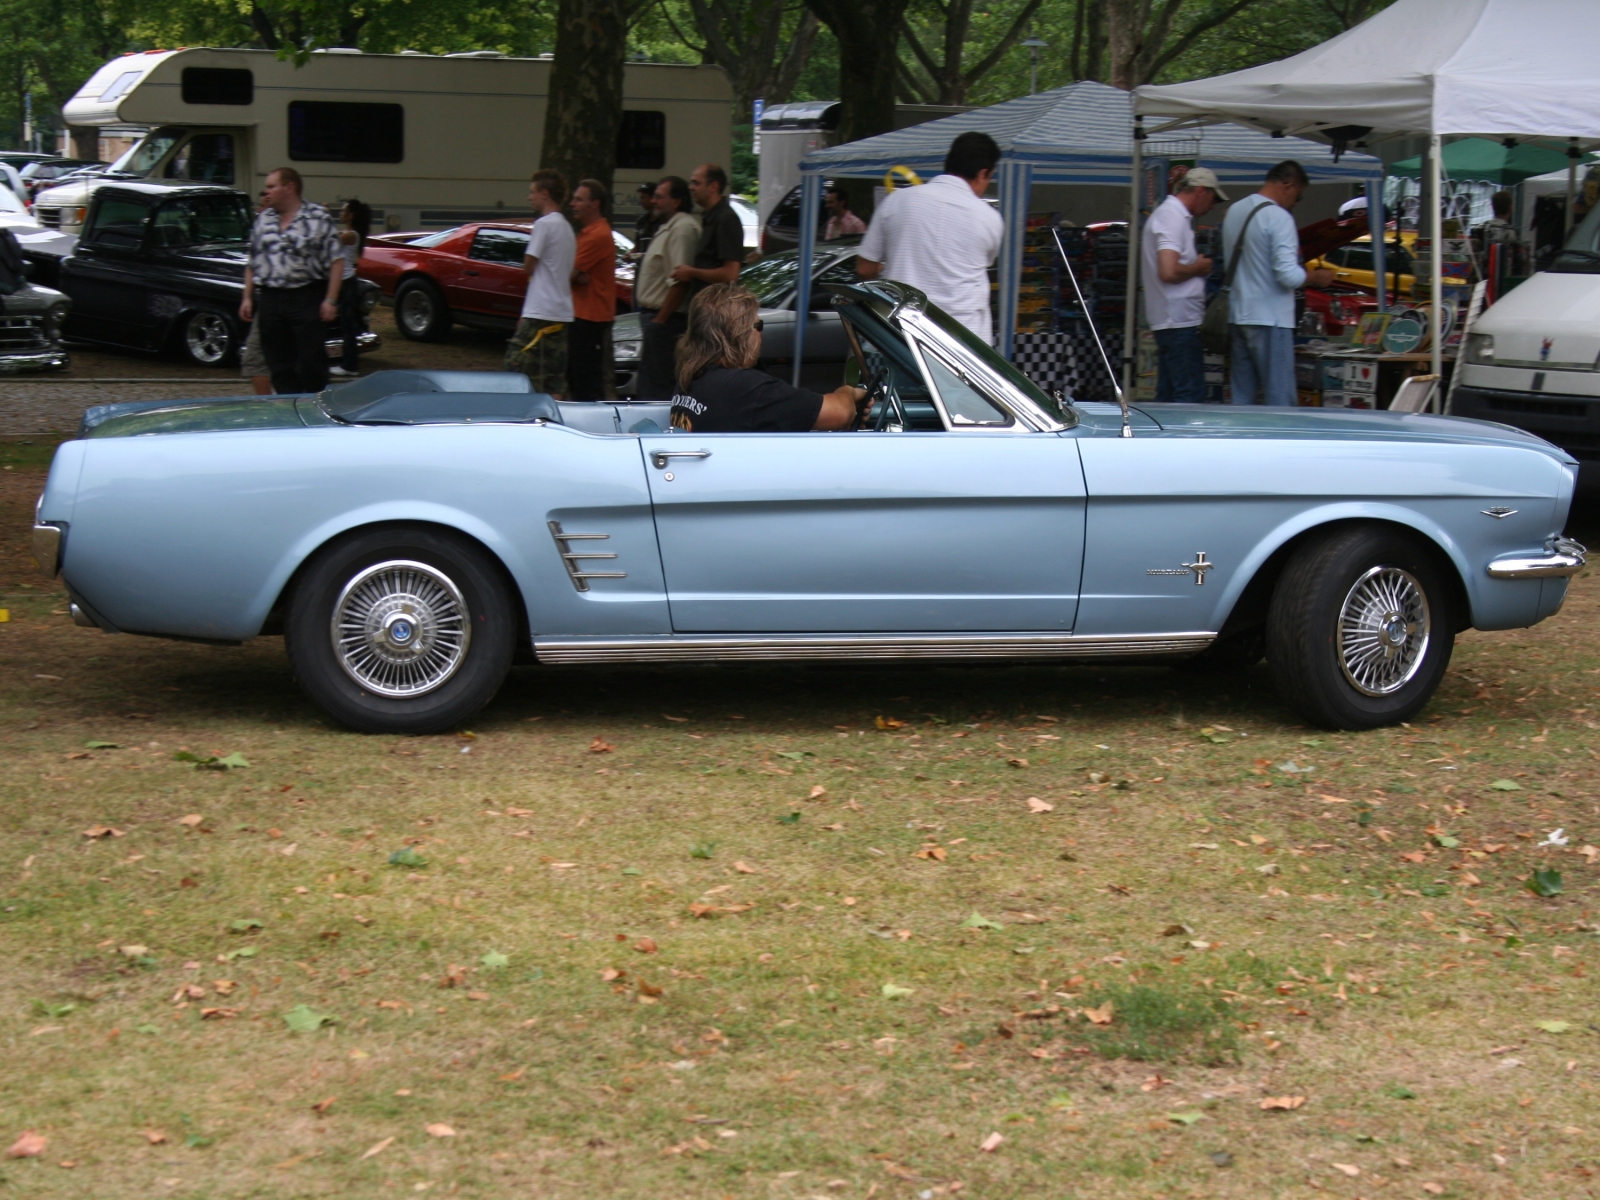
1551,321
232,414
31,298
1225,420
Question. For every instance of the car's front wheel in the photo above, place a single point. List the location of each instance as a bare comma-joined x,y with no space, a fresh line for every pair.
401,630
1360,629
421,312
207,338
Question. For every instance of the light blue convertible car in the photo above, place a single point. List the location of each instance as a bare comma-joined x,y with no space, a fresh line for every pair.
409,533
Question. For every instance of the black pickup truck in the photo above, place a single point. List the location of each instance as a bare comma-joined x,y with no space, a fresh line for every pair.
160,267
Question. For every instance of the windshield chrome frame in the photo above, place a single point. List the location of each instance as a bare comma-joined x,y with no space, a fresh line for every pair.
916,325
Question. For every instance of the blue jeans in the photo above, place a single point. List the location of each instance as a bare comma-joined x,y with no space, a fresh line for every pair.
1261,357
1180,366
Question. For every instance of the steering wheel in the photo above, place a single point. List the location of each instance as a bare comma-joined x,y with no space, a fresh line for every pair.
886,400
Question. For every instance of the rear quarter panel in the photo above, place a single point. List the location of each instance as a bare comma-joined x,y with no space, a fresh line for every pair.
1155,500
195,535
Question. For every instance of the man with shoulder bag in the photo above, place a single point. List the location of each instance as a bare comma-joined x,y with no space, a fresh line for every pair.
1175,291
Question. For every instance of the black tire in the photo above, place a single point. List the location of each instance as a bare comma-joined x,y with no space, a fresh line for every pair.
421,312
1361,627
433,633
207,338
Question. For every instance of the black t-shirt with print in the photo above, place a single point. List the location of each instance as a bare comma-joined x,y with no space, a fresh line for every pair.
725,400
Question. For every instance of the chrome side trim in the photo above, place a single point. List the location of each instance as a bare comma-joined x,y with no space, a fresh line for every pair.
777,647
79,617
571,558
47,549
1563,559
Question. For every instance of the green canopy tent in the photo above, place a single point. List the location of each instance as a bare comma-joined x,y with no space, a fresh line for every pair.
1494,162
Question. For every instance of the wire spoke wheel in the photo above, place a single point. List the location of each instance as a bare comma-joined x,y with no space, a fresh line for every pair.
1384,626
400,628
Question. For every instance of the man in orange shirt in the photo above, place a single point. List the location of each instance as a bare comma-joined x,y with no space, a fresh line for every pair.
594,296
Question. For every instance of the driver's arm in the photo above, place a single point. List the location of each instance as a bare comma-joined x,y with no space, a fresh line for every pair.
839,408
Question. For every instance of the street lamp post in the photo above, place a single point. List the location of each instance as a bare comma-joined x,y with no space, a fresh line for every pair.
1034,45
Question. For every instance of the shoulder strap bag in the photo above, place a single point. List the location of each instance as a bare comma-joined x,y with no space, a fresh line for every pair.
1214,326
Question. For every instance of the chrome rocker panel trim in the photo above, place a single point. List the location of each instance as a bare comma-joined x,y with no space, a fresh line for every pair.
1564,559
775,647
47,549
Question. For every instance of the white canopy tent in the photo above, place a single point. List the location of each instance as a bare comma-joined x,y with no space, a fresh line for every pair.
1441,68
1080,134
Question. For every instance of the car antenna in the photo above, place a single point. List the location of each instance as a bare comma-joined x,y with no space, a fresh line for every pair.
1122,400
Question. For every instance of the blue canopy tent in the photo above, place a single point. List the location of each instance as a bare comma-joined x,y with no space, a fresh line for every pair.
1083,133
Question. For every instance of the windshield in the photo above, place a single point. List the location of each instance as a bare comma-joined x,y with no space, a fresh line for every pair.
142,159
980,348
1581,254
775,277
433,239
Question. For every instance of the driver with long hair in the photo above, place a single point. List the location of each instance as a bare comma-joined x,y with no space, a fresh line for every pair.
719,389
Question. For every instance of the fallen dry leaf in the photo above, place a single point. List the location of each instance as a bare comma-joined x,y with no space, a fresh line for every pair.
1037,805
646,946
650,991
600,746
1101,1015
888,723
1016,762
155,1137
30,1145
991,1143
1282,1103
322,1106
193,820
218,1014
817,790
744,868
439,1129
378,1147
1349,1169
95,832
1433,1189
932,853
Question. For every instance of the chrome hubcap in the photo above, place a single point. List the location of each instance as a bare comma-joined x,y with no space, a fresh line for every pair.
417,311
1383,631
400,628
207,336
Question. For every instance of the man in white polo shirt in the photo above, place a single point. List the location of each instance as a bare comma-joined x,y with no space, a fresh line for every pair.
1175,286
942,237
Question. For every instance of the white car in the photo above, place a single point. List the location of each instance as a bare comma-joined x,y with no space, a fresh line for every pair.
751,220
32,236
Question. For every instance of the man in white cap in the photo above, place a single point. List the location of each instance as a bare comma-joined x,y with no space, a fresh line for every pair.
1175,286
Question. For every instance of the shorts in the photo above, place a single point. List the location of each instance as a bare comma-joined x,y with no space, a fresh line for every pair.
538,349
252,362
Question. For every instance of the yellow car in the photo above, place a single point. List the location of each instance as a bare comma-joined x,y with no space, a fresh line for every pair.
1352,264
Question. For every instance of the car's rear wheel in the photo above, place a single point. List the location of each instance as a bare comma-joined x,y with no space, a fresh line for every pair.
421,312
207,339
401,630
1360,629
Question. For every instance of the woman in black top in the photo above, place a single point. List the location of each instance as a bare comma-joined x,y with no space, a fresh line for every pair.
719,390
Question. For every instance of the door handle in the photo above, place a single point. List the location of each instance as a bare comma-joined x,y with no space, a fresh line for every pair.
660,457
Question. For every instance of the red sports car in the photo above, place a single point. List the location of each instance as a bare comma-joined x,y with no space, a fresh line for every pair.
471,275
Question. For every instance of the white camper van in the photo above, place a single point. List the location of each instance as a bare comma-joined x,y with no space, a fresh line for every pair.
427,140
1533,359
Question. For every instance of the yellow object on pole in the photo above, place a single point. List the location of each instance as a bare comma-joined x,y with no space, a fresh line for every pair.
1436,237
912,179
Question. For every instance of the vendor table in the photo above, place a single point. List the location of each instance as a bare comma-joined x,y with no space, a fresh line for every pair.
1363,378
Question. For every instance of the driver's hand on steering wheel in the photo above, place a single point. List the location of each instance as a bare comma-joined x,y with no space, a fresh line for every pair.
845,407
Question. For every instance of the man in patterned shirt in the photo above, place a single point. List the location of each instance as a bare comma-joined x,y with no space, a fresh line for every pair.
293,278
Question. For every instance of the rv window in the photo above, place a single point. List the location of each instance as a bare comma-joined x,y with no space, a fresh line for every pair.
499,246
120,86
118,224
642,141
326,131
218,85
206,158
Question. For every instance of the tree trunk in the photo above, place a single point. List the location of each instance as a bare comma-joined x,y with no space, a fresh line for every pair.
868,32
1124,40
585,108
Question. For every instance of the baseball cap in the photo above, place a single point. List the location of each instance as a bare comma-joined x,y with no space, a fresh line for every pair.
1207,178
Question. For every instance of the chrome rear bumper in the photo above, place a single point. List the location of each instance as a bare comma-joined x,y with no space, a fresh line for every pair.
1563,558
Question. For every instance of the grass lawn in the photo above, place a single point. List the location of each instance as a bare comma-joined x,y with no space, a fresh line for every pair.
791,931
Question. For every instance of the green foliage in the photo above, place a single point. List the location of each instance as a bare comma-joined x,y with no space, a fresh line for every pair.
1163,1024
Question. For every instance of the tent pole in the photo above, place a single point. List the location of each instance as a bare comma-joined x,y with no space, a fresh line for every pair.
810,198
1436,237
1572,183
1375,230
1130,320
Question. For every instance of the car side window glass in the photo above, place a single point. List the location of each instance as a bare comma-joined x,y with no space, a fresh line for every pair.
118,224
499,246
843,271
965,404
174,226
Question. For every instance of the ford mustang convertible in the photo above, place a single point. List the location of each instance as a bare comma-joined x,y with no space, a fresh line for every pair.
409,533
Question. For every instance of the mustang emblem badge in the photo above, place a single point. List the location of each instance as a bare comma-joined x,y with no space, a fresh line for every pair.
1497,512
1199,566
1544,349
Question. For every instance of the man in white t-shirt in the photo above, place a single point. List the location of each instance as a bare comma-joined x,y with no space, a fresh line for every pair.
942,237
1175,286
539,346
